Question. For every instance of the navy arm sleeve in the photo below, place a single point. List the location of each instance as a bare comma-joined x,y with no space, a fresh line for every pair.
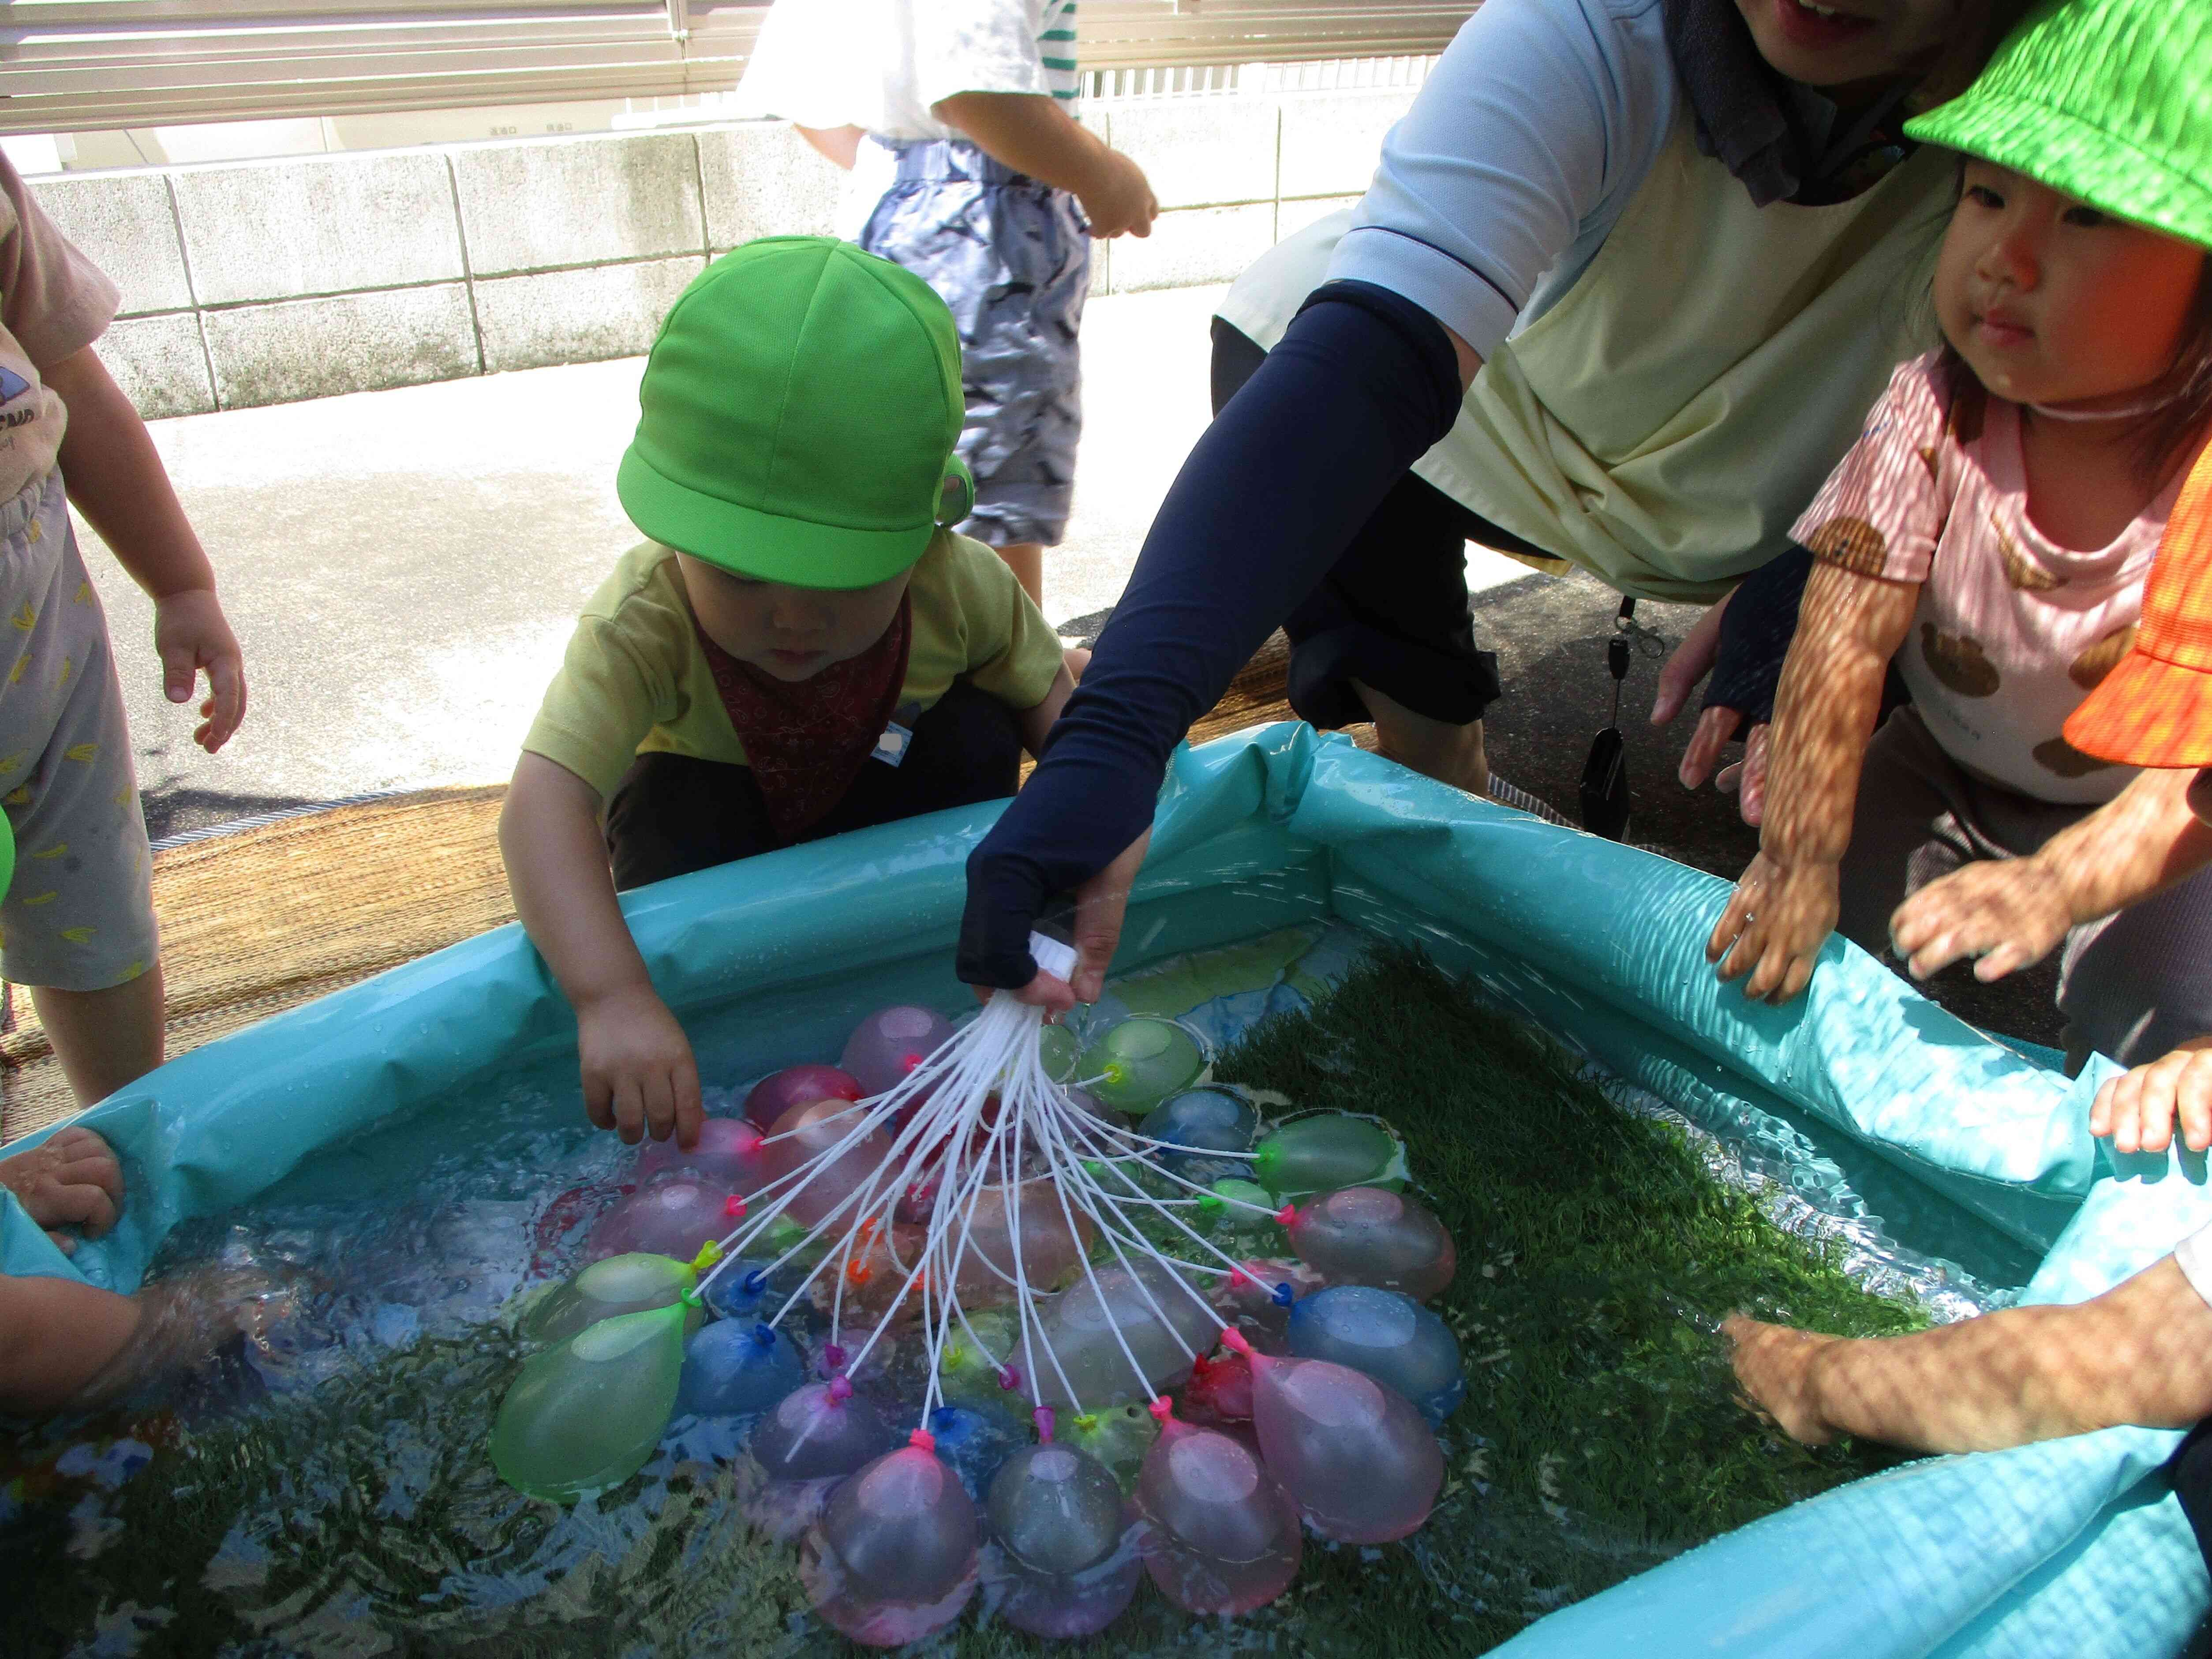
1756,629
1362,385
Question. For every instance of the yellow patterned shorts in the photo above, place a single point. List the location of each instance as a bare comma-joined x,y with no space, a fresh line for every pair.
80,914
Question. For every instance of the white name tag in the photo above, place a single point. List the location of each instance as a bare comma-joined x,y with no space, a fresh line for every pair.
891,748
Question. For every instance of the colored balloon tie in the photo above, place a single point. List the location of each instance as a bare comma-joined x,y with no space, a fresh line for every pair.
734,1207
841,1389
709,1253
1042,1417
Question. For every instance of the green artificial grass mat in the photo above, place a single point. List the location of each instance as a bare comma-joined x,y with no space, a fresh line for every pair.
1599,1437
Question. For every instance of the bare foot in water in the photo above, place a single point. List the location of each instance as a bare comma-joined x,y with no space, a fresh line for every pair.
1774,1364
69,1180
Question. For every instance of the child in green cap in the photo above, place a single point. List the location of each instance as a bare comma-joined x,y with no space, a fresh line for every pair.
801,648
1994,525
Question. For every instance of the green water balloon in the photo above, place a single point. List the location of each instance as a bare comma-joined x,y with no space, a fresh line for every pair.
1326,1151
1140,1062
586,1413
607,1290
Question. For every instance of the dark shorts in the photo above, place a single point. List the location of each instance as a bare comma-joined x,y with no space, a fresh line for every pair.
672,814
1392,613
1012,257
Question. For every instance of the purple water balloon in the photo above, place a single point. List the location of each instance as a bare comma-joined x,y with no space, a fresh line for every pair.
815,1436
1354,1456
729,1151
1224,1536
891,1042
795,1085
894,1557
672,1216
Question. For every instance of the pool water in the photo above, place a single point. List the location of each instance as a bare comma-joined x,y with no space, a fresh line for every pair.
326,1490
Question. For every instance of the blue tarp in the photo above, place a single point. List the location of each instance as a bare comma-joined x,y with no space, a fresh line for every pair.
2068,1547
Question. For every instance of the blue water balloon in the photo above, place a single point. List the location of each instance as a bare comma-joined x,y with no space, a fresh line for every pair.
1389,1336
730,1368
1206,1121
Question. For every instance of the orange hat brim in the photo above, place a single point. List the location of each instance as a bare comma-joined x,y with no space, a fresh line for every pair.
2147,712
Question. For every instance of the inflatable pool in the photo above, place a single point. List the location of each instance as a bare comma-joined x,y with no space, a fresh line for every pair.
1864,1094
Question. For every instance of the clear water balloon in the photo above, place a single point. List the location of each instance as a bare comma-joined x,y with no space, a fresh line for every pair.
1389,1336
586,1413
1355,1457
1366,1236
1061,1519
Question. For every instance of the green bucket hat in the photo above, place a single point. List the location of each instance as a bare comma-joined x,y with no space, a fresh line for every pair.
798,416
2110,101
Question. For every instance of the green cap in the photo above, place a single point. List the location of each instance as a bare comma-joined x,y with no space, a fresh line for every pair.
2110,101
798,416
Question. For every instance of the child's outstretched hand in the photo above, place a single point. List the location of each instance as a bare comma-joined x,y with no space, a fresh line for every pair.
2003,914
1774,1365
640,1077
192,636
1774,924
71,1180
2137,1107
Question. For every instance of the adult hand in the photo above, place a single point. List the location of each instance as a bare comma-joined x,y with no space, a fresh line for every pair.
640,1077
1776,921
2137,1107
191,636
2004,913
1100,905
1119,201
1685,666
71,1179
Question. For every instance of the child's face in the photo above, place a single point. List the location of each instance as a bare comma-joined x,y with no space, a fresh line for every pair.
2051,301
1853,40
789,633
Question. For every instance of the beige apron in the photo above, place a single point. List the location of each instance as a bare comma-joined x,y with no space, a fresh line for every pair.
1665,422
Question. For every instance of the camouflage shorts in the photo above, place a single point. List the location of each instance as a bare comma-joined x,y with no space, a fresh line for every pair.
79,915
1012,259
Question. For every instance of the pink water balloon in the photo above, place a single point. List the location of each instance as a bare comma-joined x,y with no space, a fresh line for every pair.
1355,1457
815,1436
894,1557
795,1085
891,1042
808,1134
1224,1536
1370,1236
729,1151
672,1216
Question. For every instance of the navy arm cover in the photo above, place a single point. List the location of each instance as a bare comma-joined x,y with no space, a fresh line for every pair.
1361,387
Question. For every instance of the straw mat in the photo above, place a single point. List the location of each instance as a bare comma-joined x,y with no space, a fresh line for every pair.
266,917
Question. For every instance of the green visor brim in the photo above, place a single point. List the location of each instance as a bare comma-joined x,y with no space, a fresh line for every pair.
765,546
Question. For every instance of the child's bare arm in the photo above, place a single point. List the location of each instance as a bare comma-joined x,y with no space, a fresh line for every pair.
1785,907
116,479
839,144
1032,134
638,1071
1036,722
2010,914
2140,1353
61,1334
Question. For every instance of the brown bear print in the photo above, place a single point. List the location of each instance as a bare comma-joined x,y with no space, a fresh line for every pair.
2022,572
2062,757
2101,658
1927,454
1958,661
1854,543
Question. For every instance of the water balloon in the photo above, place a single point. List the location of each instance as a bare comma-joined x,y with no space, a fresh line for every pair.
587,1413
1141,1061
730,1370
975,1439
1355,1457
606,1290
1060,1517
809,1135
1326,1151
894,1557
795,1085
1091,1331
1118,1436
1205,1122
1387,1335
671,1217
891,1042
816,1436
1219,1391
1224,1536
1365,1236
728,1154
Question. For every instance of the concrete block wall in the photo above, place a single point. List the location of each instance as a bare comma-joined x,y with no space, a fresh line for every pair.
266,282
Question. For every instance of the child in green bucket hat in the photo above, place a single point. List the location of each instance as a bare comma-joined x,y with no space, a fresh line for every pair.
1991,531
802,648
2090,137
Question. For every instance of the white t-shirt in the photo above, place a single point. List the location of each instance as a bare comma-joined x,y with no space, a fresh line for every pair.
53,303
883,64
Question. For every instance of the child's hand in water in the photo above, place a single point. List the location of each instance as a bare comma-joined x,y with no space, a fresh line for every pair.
640,1077
1776,921
2137,1109
2004,913
69,1180
1775,1365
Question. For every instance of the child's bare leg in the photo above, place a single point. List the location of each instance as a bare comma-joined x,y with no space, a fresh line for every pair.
71,1179
1437,749
104,1039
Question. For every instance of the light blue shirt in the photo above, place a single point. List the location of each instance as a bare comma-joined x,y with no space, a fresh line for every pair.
1515,161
